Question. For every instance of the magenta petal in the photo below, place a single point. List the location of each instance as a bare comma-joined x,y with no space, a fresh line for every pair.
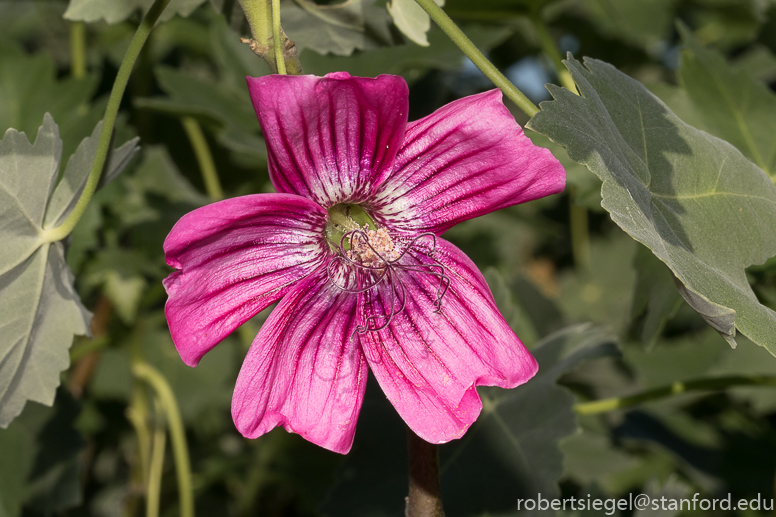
331,139
466,159
429,363
305,370
235,258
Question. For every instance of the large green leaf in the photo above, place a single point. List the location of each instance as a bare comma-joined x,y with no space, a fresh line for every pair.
337,29
701,206
511,450
115,11
734,106
39,309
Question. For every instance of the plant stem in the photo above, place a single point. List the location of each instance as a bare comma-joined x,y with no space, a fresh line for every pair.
258,14
580,233
551,50
78,50
204,158
478,58
108,122
424,498
153,494
715,383
276,37
156,380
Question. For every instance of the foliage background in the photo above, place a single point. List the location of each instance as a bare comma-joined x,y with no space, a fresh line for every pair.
606,323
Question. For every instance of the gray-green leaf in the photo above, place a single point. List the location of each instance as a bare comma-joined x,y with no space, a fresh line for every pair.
337,29
701,206
115,11
411,19
734,106
39,309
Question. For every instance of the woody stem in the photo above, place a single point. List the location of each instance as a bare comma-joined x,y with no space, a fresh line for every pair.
424,498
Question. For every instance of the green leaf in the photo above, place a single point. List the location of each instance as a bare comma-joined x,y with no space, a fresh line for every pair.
701,206
406,60
336,29
640,23
39,309
655,295
41,468
735,107
510,451
411,19
29,88
115,11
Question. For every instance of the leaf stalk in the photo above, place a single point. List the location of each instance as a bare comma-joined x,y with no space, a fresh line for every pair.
109,121
676,388
478,58
161,387
204,158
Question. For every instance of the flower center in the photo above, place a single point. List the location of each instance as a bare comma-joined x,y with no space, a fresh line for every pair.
370,261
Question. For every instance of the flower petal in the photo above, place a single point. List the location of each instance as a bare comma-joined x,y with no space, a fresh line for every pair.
333,138
465,160
235,258
428,363
305,370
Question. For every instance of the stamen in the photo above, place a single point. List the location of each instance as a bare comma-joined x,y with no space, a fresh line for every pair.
372,252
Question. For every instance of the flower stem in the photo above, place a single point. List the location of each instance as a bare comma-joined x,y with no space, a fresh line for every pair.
478,58
715,383
276,37
78,50
204,158
153,494
424,498
108,122
268,41
156,380
551,50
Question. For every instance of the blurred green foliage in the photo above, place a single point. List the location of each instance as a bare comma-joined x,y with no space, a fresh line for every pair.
80,458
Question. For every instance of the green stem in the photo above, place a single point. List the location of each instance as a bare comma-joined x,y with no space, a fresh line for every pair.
715,383
549,48
154,492
477,57
580,233
137,414
259,16
156,380
276,37
204,158
78,50
108,122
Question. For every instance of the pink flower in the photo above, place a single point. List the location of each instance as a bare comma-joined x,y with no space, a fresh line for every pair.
350,249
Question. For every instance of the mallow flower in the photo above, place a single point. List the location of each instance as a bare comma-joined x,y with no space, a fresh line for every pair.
350,248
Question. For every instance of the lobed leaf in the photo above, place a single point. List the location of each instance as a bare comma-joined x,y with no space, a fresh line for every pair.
734,106
336,29
701,206
39,308
411,19
115,11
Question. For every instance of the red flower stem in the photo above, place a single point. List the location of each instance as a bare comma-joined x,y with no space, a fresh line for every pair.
424,498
